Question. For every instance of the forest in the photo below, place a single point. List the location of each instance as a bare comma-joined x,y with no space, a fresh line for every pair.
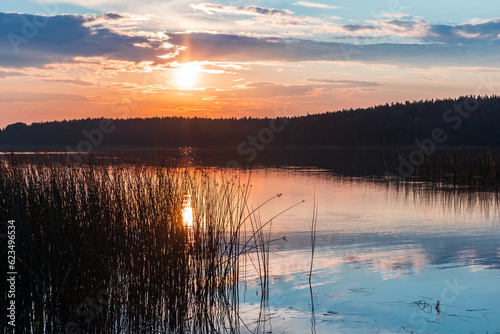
463,121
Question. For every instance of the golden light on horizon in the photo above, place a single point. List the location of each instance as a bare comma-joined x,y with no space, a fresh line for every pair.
187,74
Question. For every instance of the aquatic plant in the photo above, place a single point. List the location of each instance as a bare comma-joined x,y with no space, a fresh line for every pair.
107,248
466,168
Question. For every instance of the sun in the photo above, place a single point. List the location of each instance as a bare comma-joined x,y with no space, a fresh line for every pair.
187,74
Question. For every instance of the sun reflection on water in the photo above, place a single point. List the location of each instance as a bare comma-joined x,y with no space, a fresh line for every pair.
187,212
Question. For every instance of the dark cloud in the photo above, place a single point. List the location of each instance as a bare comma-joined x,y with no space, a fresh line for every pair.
224,47
404,23
267,11
113,16
35,40
487,31
356,27
478,33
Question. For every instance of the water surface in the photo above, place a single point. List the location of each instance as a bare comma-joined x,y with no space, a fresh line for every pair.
383,257
384,254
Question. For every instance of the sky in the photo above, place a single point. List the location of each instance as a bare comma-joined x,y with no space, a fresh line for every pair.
128,58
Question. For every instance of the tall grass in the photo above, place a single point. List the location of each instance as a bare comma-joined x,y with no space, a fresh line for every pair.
462,168
104,248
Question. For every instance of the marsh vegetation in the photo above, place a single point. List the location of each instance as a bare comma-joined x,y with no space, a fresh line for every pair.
106,248
460,169
129,245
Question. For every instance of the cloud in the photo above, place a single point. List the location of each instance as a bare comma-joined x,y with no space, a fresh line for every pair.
271,89
265,18
286,22
107,42
394,15
266,90
211,8
235,48
357,27
8,74
413,30
71,81
345,83
37,40
315,5
27,97
484,31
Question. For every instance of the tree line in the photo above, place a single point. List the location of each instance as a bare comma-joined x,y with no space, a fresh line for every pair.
467,120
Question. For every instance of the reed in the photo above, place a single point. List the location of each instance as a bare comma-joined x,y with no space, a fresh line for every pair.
107,248
467,168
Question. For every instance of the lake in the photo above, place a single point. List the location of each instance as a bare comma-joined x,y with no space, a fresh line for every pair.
389,257
383,256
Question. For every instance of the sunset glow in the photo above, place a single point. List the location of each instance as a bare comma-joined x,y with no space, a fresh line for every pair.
215,59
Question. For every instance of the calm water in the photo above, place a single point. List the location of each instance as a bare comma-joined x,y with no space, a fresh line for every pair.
383,257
